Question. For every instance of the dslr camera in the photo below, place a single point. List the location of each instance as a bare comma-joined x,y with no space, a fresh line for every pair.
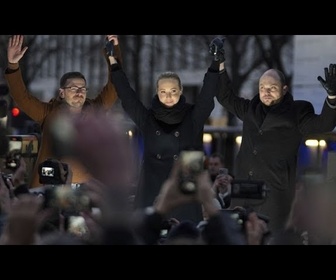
192,163
53,172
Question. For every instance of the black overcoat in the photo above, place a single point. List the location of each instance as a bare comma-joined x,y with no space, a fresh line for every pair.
162,144
269,147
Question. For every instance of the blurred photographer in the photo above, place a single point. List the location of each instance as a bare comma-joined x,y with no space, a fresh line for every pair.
214,162
222,188
221,179
220,228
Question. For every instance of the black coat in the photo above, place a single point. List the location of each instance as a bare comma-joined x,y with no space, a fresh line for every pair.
269,148
163,143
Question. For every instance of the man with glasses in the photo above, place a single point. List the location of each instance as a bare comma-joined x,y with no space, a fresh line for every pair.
71,99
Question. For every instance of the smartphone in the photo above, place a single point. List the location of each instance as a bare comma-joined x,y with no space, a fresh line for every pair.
223,171
109,47
192,163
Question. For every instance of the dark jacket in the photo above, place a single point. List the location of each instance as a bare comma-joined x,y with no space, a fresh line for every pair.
269,149
44,113
162,142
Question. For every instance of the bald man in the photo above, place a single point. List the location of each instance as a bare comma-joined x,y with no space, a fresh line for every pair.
274,125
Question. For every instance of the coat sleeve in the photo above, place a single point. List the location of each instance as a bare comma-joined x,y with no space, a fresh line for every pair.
32,106
226,96
108,95
205,100
129,99
310,122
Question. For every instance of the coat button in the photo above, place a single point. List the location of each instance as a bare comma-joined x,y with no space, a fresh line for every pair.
157,132
158,156
177,134
261,132
250,173
255,152
175,157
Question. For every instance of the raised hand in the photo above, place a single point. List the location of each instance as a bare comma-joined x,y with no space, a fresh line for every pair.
113,38
329,83
15,51
111,41
216,48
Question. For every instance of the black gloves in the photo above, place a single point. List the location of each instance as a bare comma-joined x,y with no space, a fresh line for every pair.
329,83
216,48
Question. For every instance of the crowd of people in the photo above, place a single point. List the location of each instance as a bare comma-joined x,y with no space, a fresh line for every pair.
89,203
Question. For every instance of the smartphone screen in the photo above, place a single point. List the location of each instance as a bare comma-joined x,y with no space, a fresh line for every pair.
192,163
223,171
77,226
15,145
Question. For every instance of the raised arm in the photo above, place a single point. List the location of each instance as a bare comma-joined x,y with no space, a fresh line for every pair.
225,94
108,96
28,103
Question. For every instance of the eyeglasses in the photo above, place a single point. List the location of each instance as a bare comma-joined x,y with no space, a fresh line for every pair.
77,89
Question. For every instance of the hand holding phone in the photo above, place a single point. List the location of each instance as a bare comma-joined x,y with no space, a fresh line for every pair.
109,47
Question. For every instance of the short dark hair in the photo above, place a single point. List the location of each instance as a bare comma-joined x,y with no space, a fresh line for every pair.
70,75
218,155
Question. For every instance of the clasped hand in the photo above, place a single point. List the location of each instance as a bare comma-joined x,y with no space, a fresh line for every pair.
216,48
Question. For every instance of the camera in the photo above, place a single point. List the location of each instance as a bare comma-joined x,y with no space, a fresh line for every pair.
192,163
27,145
249,189
71,200
53,172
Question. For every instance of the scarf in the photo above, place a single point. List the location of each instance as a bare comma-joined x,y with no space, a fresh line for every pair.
172,115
